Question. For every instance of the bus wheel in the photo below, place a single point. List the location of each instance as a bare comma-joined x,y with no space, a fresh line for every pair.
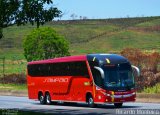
118,105
90,101
41,99
48,99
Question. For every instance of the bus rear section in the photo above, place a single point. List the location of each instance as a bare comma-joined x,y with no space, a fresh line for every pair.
92,79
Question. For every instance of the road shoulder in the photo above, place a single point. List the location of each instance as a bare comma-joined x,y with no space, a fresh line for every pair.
141,97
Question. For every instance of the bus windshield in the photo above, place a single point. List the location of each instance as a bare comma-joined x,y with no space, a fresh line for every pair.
118,77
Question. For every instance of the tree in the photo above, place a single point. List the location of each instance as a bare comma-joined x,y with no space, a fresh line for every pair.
8,11
34,11
44,43
24,11
73,16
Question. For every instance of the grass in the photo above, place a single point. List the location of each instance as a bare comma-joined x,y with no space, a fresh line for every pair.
148,24
11,53
14,61
20,112
119,41
17,87
80,31
12,64
84,37
152,90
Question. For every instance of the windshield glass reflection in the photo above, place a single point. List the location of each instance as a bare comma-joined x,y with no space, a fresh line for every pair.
118,77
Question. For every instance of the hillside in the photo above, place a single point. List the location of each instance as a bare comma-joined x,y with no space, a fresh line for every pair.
85,36
92,36
98,35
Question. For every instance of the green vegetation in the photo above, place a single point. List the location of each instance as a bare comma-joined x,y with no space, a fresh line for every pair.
85,36
13,87
21,11
154,89
12,62
8,11
20,112
149,23
119,41
45,43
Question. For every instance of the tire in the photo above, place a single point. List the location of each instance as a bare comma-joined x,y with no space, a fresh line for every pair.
41,99
118,105
47,99
90,101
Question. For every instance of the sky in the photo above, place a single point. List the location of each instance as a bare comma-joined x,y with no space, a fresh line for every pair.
102,9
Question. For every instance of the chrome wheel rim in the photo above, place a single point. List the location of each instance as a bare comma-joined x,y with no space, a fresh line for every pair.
41,98
48,99
90,101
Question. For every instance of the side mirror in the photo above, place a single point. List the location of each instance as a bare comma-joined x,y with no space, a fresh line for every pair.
100,70
136,70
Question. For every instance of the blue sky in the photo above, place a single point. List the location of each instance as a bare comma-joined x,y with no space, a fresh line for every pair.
101,9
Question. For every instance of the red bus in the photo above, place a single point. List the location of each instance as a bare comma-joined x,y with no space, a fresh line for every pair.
93,79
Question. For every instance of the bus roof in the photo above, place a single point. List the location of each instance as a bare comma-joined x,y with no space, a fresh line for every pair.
107,58
113,58
61,59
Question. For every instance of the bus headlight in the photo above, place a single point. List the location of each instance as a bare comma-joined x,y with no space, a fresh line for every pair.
133,93
106,94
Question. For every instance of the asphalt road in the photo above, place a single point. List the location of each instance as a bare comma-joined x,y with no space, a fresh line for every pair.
23,103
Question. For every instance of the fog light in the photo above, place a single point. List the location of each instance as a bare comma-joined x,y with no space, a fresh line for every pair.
106,99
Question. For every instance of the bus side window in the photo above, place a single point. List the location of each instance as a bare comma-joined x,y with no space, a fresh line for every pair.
77,69
59,69
32,70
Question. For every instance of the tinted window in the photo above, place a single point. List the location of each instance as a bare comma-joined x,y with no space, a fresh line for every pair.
59,69
97,77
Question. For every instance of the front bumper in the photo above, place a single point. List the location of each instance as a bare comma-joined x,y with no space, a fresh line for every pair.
113,98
